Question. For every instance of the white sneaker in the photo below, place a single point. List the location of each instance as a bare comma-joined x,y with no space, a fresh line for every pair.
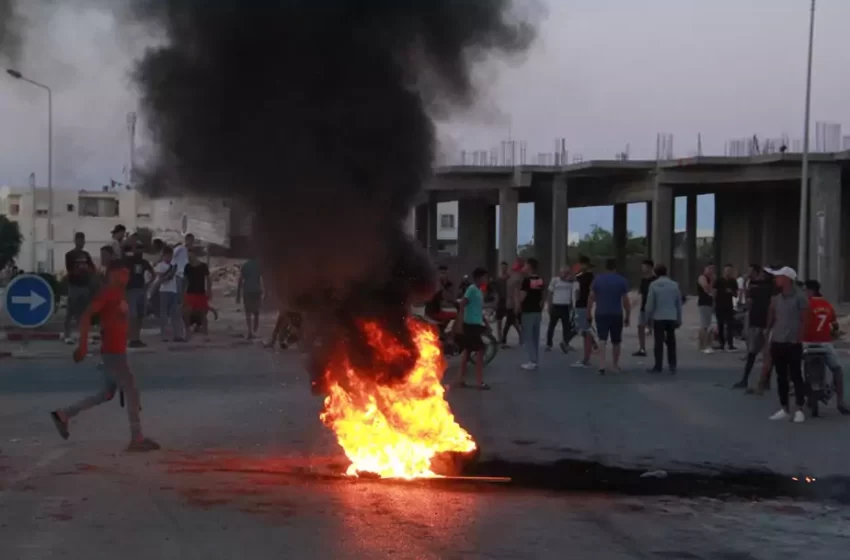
68,340
529,366
580,364
799,417
781,415
708,351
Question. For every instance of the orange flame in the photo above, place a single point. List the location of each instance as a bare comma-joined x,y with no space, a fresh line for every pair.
394,430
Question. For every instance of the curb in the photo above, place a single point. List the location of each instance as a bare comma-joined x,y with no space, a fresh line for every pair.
66,353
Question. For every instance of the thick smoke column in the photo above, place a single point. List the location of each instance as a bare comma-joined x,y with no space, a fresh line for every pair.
318,115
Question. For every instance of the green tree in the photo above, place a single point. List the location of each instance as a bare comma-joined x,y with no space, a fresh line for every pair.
10,240
599,243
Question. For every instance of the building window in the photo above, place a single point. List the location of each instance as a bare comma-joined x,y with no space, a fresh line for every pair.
98,207
41,212
14,209
447,221
70,208
88,207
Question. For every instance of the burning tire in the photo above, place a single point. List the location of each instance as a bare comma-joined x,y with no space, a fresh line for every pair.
454,463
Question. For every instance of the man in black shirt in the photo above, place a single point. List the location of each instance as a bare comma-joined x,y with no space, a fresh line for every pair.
759,292
584,279
725,289
141,274
81,275
532,295
198,292
648,270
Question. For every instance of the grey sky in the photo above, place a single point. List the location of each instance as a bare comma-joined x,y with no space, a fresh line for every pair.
604,74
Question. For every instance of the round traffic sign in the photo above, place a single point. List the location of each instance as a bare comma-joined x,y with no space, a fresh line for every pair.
29,301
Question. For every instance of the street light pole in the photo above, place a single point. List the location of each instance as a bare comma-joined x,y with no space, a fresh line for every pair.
803,238
18,76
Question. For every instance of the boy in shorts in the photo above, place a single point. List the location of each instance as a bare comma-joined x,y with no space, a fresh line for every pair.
111,306
472,328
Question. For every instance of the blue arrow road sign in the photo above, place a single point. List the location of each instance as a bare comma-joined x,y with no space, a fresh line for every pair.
29,301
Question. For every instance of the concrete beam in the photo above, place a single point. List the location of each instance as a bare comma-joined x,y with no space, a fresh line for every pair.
469,182
747,174
621,234
662,224
587,193
508,218
825,228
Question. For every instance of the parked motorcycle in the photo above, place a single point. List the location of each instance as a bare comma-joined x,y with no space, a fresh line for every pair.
815,378
451,346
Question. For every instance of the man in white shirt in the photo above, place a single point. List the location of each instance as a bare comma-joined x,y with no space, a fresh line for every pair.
181,259
169,303
560,301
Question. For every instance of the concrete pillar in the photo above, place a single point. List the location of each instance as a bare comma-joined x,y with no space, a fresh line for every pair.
472,234
543,232
492,251
560,224
508,218
649,228
621,235
410,223
663,207
426,224
825,228
692,271
768,230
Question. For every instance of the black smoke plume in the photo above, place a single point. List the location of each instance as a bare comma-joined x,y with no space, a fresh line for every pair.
318,115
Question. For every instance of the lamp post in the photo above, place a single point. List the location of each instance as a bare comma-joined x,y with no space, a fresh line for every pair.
803,240
18,76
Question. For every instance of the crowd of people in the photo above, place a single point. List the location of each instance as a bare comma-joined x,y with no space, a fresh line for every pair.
775,314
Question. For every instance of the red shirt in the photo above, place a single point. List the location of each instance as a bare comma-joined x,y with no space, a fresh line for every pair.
821,317
111,305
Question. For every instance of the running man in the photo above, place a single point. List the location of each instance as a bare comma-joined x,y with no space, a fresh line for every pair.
111,306
250,290
473,327
822,319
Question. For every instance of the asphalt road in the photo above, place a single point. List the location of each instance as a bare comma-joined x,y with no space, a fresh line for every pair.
244,470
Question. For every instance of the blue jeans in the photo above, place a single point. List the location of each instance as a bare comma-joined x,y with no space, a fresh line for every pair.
531,334
169,311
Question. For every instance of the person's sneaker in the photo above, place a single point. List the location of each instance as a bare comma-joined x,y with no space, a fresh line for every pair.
565,348
547,349
529,366
732,349
740,385
68,340
781,415
799,417
505,346
601,371
640,354
137,344
142,445
61,425
580,364
708,351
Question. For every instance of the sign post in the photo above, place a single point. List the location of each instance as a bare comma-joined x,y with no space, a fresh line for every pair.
29,302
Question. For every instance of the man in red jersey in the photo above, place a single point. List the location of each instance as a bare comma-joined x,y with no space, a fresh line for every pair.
821,321
110,305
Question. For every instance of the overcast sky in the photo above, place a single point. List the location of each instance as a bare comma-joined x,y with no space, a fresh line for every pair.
604,74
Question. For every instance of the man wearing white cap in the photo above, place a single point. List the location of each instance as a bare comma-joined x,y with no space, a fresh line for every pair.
787,318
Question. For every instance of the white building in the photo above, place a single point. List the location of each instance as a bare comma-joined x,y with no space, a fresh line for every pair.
95,213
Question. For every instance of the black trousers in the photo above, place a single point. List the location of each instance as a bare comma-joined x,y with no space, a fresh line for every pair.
665,333
788,362
558,312
725,329
511,320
